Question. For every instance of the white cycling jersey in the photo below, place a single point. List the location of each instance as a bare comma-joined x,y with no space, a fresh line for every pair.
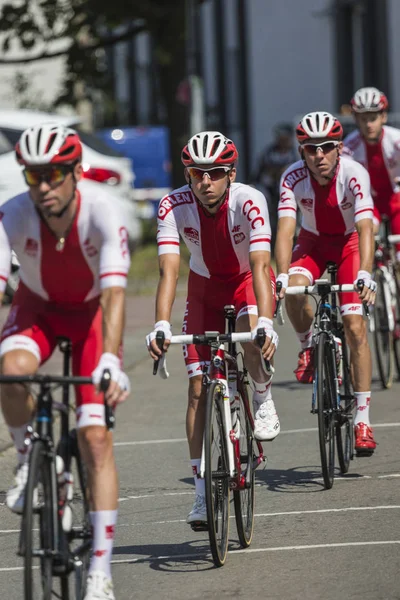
95,255
327,210
219,244
355,147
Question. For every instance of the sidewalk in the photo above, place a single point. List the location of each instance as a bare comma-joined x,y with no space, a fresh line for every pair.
139,322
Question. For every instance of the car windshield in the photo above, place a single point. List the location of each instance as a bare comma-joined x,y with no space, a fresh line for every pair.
11,136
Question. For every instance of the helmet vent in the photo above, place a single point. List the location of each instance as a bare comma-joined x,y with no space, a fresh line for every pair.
50,143
38,141
195,148
215,147
205,144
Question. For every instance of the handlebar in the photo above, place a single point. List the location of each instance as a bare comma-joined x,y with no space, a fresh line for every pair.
44,379
314,289
206,339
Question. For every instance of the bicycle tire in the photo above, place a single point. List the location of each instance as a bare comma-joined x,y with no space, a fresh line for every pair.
81,529
243,499
216,475
40,500
396,333
344,425
383,338
326,406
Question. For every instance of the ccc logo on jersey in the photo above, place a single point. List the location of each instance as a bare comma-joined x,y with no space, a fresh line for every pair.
252,213
355,188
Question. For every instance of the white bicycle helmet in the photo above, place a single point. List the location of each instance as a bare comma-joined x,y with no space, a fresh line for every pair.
369,99
49,143
319,125
209,148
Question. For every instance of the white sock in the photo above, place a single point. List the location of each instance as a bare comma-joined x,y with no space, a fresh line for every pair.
103,525
305,338
19,435
262,393
362,414
198,481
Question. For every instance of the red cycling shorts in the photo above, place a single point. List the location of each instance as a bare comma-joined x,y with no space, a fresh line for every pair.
312,252
390,209
205,303
34,325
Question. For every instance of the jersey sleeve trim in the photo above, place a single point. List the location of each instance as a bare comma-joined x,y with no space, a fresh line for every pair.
113,280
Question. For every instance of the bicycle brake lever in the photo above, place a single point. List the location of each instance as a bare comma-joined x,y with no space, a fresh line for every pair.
261,341
278,302
104,385
160,338
360,285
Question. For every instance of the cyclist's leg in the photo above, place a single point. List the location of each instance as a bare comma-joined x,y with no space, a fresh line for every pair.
307,265
266,420
26,342
394,216
95,442
356,336
200,315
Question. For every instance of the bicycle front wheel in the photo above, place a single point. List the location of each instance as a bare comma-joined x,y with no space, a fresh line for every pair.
396,333
383,339
40,512
243,499
216,475
345,420
79,536
326,403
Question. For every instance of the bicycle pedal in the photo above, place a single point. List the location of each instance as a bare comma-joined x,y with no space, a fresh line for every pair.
198,526
364,453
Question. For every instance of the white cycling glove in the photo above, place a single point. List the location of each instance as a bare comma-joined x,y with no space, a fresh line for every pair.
111,362
283,278
163,326
267,325
367,279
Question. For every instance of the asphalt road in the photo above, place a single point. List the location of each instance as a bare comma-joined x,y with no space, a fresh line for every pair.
308,542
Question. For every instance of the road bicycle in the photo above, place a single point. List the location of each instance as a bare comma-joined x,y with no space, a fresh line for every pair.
332,396
56,537
230,452
385,316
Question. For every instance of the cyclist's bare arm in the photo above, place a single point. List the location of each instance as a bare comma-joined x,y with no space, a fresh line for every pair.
260,265
284,245
166,290
366,246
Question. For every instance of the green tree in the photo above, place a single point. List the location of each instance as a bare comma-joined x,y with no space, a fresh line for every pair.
83,27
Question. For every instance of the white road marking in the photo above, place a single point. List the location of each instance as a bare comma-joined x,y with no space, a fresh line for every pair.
285,432
206,555
155,495
273,514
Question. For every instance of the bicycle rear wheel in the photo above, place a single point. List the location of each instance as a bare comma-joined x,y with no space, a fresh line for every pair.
326,403
80,536
345,420
216,475
244,499
383,338
396,333
40,514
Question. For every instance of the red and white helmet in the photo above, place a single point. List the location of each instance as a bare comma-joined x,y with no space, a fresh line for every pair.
209,148
369,99
48,143
319,125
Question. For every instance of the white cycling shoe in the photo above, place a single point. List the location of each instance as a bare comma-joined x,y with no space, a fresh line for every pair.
15,496
266,421
99,587
198,514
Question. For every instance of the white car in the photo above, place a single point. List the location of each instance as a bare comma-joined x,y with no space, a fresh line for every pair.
101,164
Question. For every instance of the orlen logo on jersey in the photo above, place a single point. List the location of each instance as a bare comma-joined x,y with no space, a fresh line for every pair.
252,213
31,247
355,188
307,203
238,237
346,204
294,177
169,202
192,235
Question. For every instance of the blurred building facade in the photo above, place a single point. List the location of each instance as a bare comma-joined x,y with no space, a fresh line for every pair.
253,63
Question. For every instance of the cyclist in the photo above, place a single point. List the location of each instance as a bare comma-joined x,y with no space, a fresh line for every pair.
333,194
377,147
225,226
72,248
